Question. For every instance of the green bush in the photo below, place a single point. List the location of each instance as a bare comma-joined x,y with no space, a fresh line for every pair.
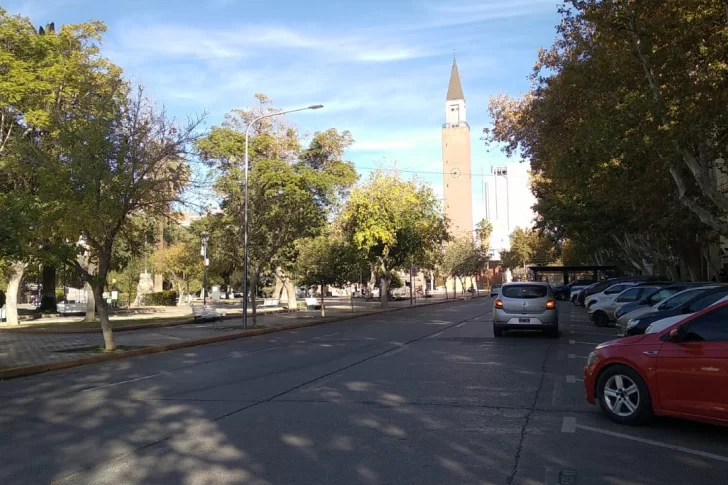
162,298
2,298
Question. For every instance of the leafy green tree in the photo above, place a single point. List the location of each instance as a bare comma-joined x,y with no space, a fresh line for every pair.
326,260
292,191
631,178
179,262
395,223
464,258
484,229
48,78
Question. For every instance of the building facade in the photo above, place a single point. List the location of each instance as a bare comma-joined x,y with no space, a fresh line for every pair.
508,204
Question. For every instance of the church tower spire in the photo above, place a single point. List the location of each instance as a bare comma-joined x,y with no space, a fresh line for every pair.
456,166
455,88
455,113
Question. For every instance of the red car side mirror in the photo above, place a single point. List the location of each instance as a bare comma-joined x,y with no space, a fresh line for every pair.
674,335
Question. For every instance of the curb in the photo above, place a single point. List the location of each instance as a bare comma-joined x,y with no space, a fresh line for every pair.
41,368
139,326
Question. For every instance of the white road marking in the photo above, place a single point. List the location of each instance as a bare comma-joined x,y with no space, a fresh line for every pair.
436,335
572,341
583,343
332,334
574,356
461,324
572,379
121,382
568,425
402,348
653,443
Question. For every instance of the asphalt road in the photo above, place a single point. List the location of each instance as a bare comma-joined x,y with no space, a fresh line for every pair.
424,396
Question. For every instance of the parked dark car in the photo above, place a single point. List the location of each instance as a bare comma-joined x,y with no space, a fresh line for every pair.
701,300
604,284
563,292
654,297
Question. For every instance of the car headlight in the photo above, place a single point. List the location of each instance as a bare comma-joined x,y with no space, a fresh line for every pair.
592,359
633,322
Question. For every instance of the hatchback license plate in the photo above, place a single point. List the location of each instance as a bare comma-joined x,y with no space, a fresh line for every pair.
524,320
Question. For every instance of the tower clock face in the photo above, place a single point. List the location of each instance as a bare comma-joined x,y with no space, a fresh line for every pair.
455,173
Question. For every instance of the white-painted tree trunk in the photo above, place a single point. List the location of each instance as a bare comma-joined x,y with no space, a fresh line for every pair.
90,303
17,270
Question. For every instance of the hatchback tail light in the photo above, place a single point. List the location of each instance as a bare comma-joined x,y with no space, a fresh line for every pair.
499,303
551,304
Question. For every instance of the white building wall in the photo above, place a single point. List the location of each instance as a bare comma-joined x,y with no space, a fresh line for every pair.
509,203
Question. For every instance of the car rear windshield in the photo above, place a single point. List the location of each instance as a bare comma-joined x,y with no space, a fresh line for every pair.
524,291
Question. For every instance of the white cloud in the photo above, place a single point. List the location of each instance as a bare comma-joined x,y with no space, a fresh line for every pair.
160,40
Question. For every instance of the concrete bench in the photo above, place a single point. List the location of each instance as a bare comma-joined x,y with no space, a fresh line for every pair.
206,312
313,304
271,303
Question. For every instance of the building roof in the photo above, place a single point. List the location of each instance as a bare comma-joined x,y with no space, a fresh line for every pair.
455,89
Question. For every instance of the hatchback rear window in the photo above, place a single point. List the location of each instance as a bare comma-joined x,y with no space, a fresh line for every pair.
524,291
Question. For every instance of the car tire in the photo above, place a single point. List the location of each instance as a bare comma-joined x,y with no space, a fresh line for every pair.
624,396
497,331
601,319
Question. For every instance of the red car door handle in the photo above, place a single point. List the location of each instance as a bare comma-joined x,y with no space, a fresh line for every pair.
651,352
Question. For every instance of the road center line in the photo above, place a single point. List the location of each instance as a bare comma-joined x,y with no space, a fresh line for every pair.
121,382
436,335
690,451
461,324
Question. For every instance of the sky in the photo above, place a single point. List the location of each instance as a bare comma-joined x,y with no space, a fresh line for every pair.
380,68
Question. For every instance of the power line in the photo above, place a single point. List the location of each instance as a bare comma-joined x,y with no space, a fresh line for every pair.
472,174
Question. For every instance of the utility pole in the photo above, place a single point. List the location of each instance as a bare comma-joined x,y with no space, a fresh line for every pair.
205,236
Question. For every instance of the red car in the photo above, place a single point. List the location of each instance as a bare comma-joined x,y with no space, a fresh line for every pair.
681,371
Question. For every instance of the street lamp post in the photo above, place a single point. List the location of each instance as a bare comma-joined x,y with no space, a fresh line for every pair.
205,236
246,167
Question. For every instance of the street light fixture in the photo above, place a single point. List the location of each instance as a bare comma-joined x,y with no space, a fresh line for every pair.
246,167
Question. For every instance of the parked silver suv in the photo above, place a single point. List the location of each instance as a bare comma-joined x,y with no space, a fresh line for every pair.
526,306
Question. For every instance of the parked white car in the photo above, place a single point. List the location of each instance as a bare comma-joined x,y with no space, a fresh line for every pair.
602,312
609,293
71,307
575,292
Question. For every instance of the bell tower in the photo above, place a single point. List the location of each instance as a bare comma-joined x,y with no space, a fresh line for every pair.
457,182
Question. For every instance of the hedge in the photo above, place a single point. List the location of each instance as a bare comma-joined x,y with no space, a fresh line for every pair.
162,298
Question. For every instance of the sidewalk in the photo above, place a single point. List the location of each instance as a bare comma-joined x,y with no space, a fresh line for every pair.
23,349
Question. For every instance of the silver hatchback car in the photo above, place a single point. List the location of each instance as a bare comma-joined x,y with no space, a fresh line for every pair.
526,306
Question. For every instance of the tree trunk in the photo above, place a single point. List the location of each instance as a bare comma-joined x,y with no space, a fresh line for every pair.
383,289
447,297
98,292
323,300
90,303
253,291
48,297
17,270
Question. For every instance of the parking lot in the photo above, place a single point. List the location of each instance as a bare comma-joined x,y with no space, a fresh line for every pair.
421,396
